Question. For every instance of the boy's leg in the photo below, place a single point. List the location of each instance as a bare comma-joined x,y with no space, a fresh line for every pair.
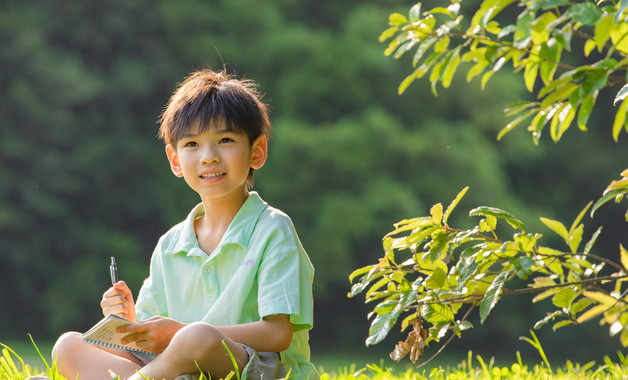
75,357
198,345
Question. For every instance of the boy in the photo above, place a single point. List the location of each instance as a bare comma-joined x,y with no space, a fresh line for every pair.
234,271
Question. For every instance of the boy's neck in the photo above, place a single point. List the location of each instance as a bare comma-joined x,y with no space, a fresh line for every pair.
219,214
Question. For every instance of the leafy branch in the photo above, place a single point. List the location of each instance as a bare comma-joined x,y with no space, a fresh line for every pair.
430,270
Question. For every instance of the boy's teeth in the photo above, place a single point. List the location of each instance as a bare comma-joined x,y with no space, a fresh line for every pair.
211,175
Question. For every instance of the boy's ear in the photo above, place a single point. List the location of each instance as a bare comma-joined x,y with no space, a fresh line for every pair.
259,152
175,165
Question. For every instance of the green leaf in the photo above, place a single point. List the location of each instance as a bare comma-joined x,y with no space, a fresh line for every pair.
582,304
603,30
624,257
586,13
437,313
621,95
548,317
529,75
564,297
620,11
600,297
437,279
561,93
386,34
620,119
492,295
386,318
557,227
561,324
415,13
585,110
551,51
588,47
437,213
589,245
397,19
510,126
453,204
575,237
451,67
406,82
591,313
498,213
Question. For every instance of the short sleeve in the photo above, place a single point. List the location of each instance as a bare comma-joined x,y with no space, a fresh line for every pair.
285,278
150,301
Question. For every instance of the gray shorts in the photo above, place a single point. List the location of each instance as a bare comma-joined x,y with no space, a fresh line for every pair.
261,366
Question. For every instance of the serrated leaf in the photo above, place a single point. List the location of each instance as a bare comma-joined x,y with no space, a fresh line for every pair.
564,297
381,325
575,237
510,126
437,279
406,82
548,317
588,47
397,19
360,271
492,295
386,34
624,257
453,204
451,67
415,13
586,13
591,313
529,75
543,295
585,110
498,213
580,305
437,313
600,297
621,95
603,30
620,119
620,10
557,227
437,213
560,324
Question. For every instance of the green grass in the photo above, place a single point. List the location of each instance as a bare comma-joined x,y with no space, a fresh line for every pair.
22,359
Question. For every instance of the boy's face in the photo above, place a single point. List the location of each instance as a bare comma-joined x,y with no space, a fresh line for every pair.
216,162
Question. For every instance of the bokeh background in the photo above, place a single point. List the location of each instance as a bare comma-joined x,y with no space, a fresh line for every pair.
83,176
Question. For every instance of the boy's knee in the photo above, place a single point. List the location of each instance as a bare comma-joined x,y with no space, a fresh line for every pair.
199,337
66,343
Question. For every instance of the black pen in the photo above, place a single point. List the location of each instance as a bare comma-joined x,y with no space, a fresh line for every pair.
113,270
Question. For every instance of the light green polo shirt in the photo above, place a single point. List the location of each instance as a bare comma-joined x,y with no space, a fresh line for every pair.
259,268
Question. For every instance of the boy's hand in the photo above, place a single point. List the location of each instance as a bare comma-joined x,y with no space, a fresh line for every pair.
153,334
118,300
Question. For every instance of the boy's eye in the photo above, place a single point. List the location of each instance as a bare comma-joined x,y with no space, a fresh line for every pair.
226,140
190,144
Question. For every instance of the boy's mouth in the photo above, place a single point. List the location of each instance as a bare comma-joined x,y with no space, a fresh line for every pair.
212,175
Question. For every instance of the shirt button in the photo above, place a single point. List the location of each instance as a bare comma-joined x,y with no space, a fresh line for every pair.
207,269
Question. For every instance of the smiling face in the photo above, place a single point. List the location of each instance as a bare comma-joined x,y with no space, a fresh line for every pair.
216,161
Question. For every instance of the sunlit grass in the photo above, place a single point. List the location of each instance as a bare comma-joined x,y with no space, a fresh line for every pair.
14,366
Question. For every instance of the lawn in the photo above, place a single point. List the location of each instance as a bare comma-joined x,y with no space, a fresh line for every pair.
366,365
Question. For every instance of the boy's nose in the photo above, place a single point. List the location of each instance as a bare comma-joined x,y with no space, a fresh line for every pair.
209,156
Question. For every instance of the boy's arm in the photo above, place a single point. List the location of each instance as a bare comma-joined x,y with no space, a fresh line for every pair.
272,334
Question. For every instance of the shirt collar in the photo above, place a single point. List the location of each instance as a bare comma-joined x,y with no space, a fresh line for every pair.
239,232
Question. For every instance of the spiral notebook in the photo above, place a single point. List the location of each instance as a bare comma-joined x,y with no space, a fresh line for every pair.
104,334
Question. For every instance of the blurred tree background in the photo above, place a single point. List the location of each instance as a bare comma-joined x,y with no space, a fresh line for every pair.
83,176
